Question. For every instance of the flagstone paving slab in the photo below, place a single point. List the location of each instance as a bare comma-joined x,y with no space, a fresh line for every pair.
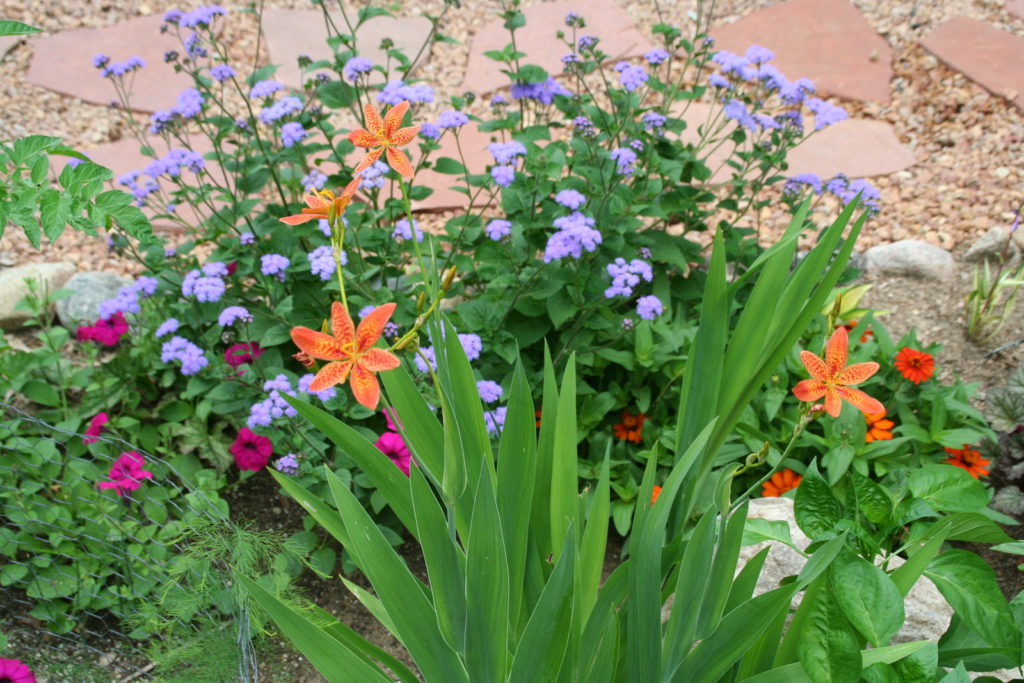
987,55
290,33
63,62
620,39
1016,8
828,41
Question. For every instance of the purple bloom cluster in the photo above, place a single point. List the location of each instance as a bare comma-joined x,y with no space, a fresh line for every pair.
397,91
452,118
796,184
108,68
325,395
503,175
575,234
205,285
265,89
652,120
194,45
230,315
356,67
571,199
403,232
247,238
626,276
169,326
506,152
321,262
202,16
188,104
649,307
498,229
584,126
586,43
625,158
847,190
719,81
325,227
495,420
291,133
287,464
825,113
314,179
630,76
263,413
127,299
573,19
170,165
278,110
221,72
274,264
145,286
542,92
471,344
190,356
374,177
656,56
430,131
489,391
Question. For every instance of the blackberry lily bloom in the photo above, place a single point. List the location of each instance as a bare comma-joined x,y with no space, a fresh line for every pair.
831,378
323,204
384,136
350,352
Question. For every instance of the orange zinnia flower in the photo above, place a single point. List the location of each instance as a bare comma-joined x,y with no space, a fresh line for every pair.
917,366
655,492
384,135
783,481
351,352
879,429
852,324
630,428
323,204
831,377
967,459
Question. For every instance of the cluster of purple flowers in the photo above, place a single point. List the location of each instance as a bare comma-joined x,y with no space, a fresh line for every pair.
291,133
397,91
624,157
631,76
325,395
374,176
430,131
542,92
170,165
201,16
287,464
503,175
489,391
274,407
183,351
653,120
169,326
587,43
404,232
274,264
265,89
108,69
796,184
471,344
656,56
452,118
356,67
278,110
246,238
649,307
498,229
576,233
840,186
206,285
232,314
314,179
221,72
626,276
584,126
321,262
189,103
495,420
570,199
506,152
573,20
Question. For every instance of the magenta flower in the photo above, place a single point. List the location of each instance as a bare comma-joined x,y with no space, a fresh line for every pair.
242,353
13,671
251,451
393,445
106,331
126,475
95,428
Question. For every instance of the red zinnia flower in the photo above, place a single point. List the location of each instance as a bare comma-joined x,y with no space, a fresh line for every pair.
780,482
655,492
631,427
13,671
917,366
251,451
967,459
879,429
95,428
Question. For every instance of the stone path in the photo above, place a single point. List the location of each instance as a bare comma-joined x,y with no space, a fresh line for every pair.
828,41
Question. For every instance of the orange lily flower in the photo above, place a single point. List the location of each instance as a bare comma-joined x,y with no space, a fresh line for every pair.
384,135
780,482
321,203
831,378
351,352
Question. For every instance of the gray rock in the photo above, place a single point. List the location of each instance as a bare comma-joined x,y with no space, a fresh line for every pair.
91,288
909,258
991,246
50,276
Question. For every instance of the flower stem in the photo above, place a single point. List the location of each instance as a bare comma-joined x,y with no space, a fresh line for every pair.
428,278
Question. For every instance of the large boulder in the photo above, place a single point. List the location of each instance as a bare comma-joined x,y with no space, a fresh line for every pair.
909,258
49,277
90,288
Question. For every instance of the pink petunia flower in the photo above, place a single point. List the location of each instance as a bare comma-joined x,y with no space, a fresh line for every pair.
106,331
126,475
393,445
251,451
95,428
13,671
242,353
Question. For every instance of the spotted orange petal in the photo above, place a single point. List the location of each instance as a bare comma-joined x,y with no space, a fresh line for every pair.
378,360
857,373
393,119
329,375
300,218
352,186
815,366
837,350
341,325
317,202
370,157
833,404
365,387
318,344
858,399
373,121
363,138
372,326
403,136
400,162
809,390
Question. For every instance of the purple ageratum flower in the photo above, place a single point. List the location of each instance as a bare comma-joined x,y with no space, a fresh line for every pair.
584,126
321,262
428,353
638,145
365,311
325,395
571,58
274,264
209,289
628,323
314,179
430,131
189,103
796,184
397,91
737,111
573,19
100,60
837,185
825,113
657,56
230,315
503,175
145,286
265,89
626,276
374,177
170,253
652,120
766,122
215,269
489,391
221,72
452,118
201,16
291,133
587,43
278,110
625,158
571,199
325,227
756,54
632,77
498,229
795,92
173,16
356,67
730,63
194,45
576,233
498,100
869,194
403,232
169,326
495,420
649,307
542,92
506,152
181,350
126,301
287,464
719,81
472,345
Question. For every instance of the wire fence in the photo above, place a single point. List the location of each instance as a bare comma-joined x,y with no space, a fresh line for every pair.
90,530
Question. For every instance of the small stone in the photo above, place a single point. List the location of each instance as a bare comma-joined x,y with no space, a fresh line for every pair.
991,247
910,258
90,288
1002,172
50,276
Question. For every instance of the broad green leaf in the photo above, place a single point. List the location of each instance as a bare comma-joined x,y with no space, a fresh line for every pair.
417,424
828,649
691,581
564,477
969,586
920,666
948,489
758,530
867,596
344,634
593,544
816,508
16,28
